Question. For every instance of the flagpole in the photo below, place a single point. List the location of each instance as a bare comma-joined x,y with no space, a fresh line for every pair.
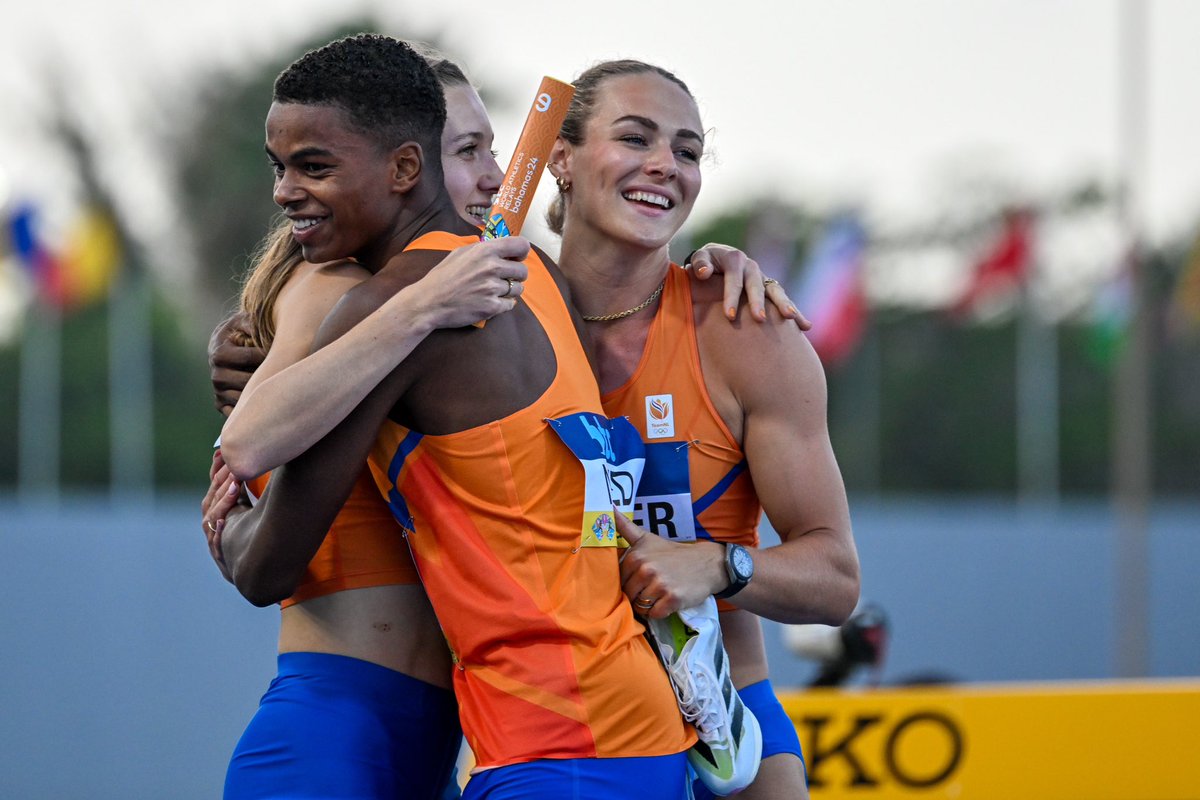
859,409
1037,400
39,437
131,386
1131,483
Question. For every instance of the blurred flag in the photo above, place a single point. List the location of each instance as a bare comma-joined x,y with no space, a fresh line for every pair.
42,265
1185,303
995,283
1112,311
830,291
91,257
75,274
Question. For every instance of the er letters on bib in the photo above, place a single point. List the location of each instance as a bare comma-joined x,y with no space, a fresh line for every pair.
664,498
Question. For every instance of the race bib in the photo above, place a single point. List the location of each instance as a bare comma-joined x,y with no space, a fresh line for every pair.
613,457
663,504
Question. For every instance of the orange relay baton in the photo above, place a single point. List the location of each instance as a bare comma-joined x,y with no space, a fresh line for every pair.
529,159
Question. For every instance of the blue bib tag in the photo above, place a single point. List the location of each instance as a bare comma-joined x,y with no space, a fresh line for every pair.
664,498
613,457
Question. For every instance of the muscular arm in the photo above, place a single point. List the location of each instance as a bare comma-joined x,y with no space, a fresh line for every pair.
768,385
285,411
813,575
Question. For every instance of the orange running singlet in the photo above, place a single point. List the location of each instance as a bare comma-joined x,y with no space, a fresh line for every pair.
550,662
708,494
364,547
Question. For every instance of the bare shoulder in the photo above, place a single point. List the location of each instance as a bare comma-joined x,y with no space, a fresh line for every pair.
709,292
318,286
748,355
342,271
308,295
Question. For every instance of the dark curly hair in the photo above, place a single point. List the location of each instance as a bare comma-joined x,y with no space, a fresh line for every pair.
387,89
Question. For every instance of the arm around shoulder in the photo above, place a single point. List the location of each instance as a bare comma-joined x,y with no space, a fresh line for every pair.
277,406
268,547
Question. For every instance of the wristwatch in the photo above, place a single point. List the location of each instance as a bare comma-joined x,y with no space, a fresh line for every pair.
740,568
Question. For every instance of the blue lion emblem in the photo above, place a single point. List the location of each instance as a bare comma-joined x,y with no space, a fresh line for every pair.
496,227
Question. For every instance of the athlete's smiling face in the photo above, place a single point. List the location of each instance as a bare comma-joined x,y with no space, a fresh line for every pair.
636,175
468,163
333,181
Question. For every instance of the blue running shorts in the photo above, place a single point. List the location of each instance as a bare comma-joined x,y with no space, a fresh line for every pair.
778,730
331,726
659,777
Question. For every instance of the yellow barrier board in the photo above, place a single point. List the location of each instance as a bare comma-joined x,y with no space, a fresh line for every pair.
1076,741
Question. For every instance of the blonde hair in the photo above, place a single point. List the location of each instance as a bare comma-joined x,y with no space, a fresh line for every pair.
276,259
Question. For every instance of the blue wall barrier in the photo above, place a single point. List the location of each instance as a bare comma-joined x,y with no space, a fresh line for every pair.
128,667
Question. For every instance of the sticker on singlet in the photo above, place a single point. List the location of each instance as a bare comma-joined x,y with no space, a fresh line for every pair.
613,456
664,498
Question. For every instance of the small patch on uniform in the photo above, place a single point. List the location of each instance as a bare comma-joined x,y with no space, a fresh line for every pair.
660,416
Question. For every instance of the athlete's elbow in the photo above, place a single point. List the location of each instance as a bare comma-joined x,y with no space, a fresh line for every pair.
242,458
262,596
843,604
261,587
843,594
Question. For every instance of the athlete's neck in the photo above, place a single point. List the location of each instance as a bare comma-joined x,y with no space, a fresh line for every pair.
426,209
608,276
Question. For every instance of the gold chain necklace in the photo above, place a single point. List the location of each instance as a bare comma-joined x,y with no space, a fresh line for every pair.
628,312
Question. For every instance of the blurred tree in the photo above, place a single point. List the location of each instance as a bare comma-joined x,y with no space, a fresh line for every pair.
225,180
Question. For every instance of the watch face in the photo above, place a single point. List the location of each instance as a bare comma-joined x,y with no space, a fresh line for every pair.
743,563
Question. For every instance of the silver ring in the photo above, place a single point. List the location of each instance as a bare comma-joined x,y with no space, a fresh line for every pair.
209,524
508,291
768,281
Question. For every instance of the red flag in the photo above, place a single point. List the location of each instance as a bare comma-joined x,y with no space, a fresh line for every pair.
996,280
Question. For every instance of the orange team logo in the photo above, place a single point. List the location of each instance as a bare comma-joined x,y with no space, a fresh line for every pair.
604,528
659,409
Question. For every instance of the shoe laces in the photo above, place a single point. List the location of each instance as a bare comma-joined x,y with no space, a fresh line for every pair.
699,693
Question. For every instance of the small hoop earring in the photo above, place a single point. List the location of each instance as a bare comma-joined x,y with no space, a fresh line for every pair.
563,185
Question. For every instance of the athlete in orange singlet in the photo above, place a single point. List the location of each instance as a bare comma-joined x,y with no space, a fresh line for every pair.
361,705
743,406
379,198
703,254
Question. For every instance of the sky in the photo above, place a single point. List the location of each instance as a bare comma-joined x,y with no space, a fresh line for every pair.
896,107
